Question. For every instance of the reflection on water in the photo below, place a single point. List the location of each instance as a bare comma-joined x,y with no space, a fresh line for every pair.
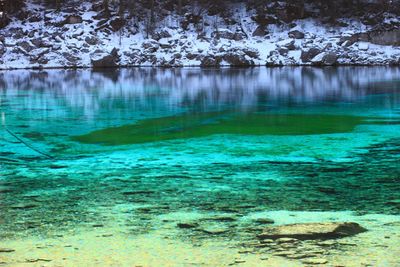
228,141
156,88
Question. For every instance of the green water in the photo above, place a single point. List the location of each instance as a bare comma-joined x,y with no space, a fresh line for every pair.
134,148
205,124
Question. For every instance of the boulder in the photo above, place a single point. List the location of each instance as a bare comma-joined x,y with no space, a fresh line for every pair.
283,51
227,34
26,46
161,34
379,37
239,36
260,31
274,59
325,59
73,19
347,41
97,6
237,59
296,34
91,40
3,50
115,53
210,61
70,58
42,60
307,55
35,18
289,44
311,231
251,52
192,56
165,45
105,60
117,24
330,58
40,43
4,20
151,46
385,37
264,20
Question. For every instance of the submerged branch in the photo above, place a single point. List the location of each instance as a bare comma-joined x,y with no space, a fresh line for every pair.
27,145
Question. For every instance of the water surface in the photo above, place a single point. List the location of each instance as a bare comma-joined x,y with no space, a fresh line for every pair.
143,148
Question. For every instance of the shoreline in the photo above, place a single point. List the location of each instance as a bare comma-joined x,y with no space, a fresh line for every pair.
197,67
305,42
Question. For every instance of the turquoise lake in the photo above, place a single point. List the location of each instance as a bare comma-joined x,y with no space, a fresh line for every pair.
130,147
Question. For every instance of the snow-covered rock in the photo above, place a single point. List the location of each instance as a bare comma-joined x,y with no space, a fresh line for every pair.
260,31
237,58
103,60
227,34
363,46
386,37
325,58
210,61
308,55
296,34
73,19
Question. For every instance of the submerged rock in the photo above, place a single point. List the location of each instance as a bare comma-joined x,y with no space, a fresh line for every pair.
187,225
315,261
22,206
222,218
214,230
6,250
306,231
264,221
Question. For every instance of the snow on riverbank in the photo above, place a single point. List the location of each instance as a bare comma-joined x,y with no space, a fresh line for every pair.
76,40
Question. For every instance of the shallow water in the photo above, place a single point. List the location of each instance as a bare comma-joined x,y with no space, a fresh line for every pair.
139,149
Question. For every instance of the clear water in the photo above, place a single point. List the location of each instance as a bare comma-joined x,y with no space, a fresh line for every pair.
141,148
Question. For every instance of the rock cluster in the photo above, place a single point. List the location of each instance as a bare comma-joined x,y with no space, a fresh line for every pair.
85,40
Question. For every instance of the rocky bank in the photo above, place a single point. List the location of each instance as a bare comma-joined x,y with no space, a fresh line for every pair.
80,37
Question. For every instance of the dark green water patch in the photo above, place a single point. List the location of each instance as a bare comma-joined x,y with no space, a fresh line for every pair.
201,125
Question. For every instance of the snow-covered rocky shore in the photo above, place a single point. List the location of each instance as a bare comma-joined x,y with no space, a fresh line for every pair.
81,38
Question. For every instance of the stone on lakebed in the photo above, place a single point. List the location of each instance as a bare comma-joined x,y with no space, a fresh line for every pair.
309,231
7,250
